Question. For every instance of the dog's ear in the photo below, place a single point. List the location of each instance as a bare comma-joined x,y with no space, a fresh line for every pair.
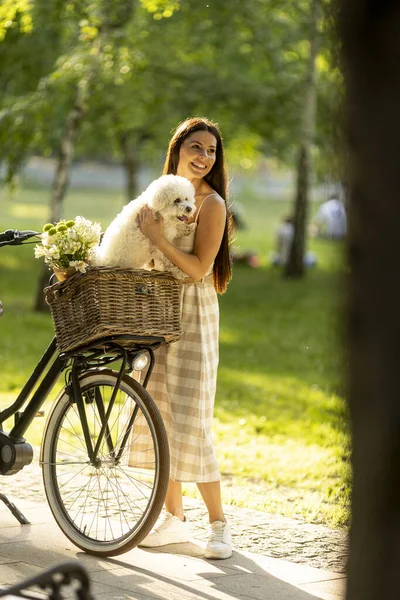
160,198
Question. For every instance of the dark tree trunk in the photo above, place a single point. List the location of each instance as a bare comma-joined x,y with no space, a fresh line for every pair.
60,185
295,264
130,164
371,53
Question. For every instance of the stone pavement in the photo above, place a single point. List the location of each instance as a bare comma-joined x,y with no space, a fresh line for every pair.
275,558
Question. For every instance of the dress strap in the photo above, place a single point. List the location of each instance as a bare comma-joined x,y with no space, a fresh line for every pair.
201,205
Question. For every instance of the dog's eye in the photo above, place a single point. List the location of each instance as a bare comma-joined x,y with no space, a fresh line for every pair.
177,201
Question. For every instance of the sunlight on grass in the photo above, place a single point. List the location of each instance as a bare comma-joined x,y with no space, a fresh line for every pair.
9,262
228,336
281,463
21,210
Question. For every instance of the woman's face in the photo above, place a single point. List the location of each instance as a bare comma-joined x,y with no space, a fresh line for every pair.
197,155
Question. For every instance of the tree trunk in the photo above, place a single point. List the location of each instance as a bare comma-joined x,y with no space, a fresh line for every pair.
130,164
60,184
295,264
371,53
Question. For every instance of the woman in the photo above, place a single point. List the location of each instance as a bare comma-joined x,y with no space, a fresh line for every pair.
183,382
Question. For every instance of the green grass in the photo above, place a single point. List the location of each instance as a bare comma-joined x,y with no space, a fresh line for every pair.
280,427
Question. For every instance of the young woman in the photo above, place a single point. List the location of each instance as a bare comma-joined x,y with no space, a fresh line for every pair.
183,382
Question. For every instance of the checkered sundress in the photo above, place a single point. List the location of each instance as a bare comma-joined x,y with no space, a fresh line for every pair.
183,381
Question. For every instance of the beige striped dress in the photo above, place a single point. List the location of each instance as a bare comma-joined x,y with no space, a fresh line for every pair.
183,382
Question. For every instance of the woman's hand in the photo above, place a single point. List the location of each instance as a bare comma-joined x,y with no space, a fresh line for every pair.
151,224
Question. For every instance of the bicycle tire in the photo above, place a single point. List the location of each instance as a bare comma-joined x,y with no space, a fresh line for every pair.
105,509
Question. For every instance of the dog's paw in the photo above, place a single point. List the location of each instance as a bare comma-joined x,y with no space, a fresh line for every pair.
161,263
95,259
174,271
177,273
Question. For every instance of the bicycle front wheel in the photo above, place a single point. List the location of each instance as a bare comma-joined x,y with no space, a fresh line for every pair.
106,505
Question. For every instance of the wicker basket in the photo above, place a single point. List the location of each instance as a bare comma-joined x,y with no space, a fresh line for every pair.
112,301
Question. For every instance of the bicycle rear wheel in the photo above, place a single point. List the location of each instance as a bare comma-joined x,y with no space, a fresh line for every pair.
106,506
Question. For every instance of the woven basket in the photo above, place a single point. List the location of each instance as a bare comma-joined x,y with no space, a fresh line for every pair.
112,301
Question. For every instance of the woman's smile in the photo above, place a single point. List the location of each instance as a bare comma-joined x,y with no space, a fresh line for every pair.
199,166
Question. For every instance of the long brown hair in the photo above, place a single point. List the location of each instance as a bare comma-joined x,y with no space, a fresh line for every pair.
217,179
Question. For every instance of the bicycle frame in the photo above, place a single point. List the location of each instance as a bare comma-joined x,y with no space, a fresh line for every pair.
90,356
81,362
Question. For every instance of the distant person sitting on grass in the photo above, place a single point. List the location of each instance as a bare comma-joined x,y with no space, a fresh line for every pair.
330,222
249,258
284,240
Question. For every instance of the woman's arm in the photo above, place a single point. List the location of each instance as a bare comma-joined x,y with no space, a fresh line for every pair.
209,234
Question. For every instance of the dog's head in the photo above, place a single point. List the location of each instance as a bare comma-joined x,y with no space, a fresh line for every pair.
172,196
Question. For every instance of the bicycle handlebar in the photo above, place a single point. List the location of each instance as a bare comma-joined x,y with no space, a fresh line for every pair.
7,236
12,237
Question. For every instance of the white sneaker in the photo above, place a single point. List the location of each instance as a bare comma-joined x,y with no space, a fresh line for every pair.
219,541
168,530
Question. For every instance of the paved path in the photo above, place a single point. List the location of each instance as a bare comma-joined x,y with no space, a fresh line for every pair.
253,531
179,572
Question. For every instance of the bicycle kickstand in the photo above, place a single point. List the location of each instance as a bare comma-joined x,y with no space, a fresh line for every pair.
15,511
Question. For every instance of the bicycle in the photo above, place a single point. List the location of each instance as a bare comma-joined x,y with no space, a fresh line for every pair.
104,452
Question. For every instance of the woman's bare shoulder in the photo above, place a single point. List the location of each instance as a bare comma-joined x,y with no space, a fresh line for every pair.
213,206
214,199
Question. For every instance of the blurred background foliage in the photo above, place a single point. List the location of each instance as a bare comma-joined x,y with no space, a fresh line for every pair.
140,67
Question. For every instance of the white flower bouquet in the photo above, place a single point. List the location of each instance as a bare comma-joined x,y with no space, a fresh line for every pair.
69,244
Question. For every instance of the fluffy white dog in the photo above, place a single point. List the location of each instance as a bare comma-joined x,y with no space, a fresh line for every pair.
124,245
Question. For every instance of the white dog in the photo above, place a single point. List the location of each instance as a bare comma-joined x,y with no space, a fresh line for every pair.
124,245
